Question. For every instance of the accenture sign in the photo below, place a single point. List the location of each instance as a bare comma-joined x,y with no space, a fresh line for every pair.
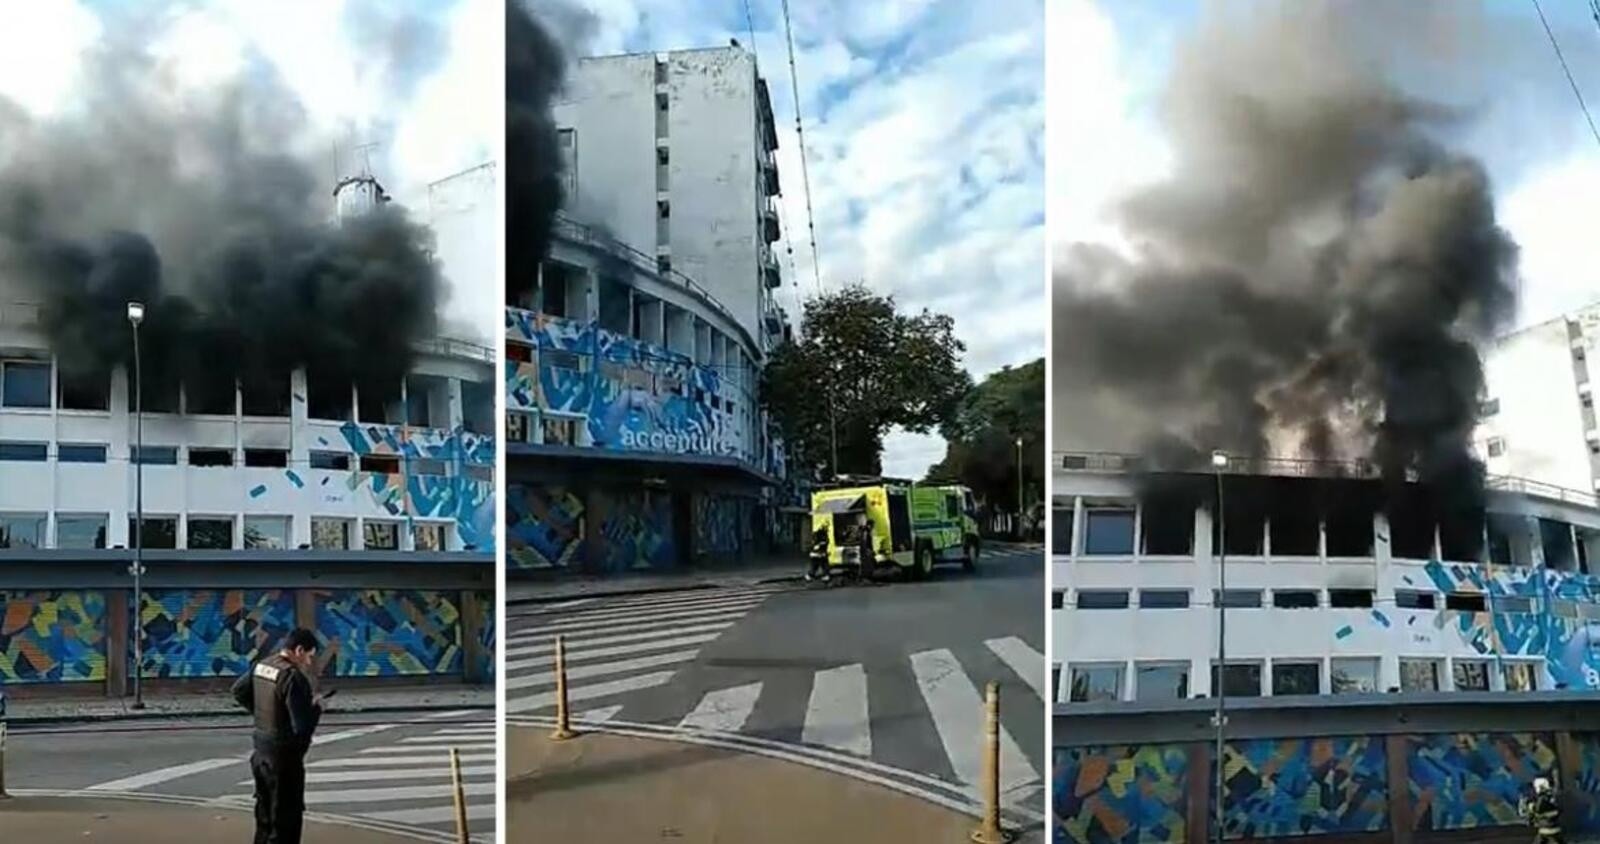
663,441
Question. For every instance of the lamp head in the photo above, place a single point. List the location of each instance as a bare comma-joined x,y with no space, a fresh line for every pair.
1219,460
136,313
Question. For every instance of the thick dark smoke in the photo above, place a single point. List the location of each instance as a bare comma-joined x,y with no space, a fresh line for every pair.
1314,277
195,204
535,70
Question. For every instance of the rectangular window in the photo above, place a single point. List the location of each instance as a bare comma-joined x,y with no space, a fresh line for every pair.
380,536
1513,603
160,532
266,458
1102,599
81,532
1161,681
154,455
427,466
383,464
330,534
1058,599
1471,675
80,453
22,530
1167,525
1241,679
1163,599
1410,599
1349,599
337,460
1244,599
266,533
1520,677
91,391
265,396
210,457
1497,446
24,384
1055,682
1061,531
1354,675
1095,683
1419,675
428,537
24,452
1108,532
1464,601
480,473
1489,408
1296,678
210,533
1295,599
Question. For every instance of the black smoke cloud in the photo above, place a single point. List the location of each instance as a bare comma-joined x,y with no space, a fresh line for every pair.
1313,278
194,203
538,42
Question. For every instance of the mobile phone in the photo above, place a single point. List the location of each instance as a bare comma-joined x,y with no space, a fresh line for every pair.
329,693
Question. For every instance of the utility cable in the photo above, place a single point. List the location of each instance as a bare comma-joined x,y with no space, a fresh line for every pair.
800,134
1595,8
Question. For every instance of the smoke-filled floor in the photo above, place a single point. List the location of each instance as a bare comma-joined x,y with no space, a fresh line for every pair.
1314,277
196,202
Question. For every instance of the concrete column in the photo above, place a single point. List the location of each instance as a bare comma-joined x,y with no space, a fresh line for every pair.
1400,809
116,642
457,415
1201,769
472,619
1569,762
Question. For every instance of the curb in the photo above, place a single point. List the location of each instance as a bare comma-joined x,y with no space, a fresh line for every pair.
663,589
155,715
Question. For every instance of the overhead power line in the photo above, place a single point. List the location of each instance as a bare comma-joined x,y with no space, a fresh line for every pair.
800,134
1595,9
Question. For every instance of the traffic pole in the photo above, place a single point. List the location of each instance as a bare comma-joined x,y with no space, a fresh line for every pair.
563,730
463,836
989,831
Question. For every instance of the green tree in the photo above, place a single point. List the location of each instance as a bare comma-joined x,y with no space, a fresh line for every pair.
982,438
859,368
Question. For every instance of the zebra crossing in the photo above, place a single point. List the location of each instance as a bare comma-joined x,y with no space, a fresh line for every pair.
405,782
621,653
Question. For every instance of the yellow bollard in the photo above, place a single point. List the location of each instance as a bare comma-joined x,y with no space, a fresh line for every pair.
462,834
563,729
989,831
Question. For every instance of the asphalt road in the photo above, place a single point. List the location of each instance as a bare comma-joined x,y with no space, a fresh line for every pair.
890,673
394,774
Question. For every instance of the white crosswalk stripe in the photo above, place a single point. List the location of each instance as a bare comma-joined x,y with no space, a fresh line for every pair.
957,709
837,716
724,709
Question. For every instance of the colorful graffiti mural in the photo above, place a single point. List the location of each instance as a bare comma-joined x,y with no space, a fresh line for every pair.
1278,788
722,524
486,637
632,395
636,526
211,633
1583,813
544,526
384,633
52,637
1464,781
458,496
1124,794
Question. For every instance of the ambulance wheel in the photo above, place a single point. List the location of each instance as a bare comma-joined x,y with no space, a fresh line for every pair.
970,561
922,568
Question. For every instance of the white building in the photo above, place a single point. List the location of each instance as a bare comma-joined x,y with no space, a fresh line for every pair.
1333,586
1538,417
672,154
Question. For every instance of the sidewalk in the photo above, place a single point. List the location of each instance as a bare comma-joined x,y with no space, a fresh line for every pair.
600,788
48,820
46,710
547,586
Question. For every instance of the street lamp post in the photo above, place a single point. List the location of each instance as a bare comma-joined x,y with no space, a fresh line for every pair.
136,316
1021,505
1219,462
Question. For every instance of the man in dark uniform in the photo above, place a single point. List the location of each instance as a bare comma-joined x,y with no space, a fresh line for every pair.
1543,813
278,692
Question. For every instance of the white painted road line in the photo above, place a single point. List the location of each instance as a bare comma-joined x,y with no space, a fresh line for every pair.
604,713
546,642
643,610
434,816
957,711
603,669
442,773
391,761
724,709
632,622
397,794
836,716
550,647
168,774
577,693
575,657
1025,661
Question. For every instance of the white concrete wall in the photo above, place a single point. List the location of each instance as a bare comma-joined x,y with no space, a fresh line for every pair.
610,104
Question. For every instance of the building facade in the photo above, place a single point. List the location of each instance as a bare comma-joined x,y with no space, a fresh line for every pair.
635,434
1538,418
1335,584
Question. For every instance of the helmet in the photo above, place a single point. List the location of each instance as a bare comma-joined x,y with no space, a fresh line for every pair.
1540,785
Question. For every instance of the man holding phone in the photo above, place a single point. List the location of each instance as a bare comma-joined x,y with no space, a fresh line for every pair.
279,693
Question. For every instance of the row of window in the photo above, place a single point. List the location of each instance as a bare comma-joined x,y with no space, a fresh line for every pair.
1163,680
88,531
1290,599
259,458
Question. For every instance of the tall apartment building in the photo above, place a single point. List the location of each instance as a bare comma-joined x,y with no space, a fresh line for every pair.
1538,418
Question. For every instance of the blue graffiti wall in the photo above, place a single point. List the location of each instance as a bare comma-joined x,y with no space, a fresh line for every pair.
387,632
544,526
1281,788
211,632
1465,781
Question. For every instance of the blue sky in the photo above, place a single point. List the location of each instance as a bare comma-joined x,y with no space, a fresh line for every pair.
1110,63
925,135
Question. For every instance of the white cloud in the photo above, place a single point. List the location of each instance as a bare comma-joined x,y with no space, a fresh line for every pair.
40,53
1552,215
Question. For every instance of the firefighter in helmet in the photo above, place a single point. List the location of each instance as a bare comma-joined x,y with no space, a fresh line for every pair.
1543,813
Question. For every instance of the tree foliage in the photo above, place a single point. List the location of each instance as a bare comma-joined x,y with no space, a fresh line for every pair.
861,367
982,435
